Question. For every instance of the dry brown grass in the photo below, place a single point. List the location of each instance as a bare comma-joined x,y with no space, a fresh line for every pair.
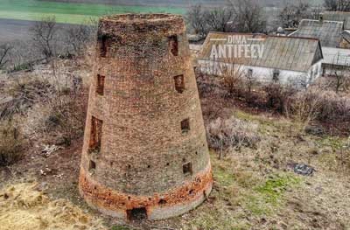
23,207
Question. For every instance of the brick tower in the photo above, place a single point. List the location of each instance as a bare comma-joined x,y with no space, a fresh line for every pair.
145,153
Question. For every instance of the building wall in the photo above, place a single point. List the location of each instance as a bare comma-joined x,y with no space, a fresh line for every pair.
153,153
331,70
261,74
335,60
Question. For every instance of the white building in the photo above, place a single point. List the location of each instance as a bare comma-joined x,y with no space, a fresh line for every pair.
335,61
265,58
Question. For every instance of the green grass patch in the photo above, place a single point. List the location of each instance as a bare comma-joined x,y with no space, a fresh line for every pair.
266,198
335,143
257,205
274,188
73,13
223,176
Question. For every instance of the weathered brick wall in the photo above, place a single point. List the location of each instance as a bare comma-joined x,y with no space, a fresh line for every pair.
144,98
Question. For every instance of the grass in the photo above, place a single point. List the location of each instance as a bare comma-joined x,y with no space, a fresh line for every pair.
268,126
268,197
335,143
72,13
240,193
273,188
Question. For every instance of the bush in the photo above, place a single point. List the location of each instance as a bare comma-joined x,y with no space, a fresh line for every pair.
24,93
278,96
60,120
316,103
232,132
67,117
305,106
11,145
334,107
234,85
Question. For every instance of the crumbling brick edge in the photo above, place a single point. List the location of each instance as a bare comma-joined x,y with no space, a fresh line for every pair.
159,206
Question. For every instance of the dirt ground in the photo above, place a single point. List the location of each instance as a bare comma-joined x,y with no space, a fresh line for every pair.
255,187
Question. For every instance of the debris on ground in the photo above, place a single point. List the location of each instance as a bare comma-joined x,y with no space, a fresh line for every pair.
314,130
304,169
49,149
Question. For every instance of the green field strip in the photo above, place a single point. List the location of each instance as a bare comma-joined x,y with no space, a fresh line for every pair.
74,13
60,18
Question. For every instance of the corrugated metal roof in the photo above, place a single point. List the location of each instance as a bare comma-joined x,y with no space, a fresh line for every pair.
338,16
285,53
336,56
328,32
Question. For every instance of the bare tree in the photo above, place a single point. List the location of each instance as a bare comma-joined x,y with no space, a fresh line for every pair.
249,16
341,81
291,15
337,5
77,38
341,74
4,52
234,83
44,36
218,19
238,15
196,20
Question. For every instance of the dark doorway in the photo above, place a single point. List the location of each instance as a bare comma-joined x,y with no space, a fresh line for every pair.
137,214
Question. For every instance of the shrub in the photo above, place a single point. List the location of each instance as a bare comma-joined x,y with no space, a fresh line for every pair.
334,107
11,145
61,120
67,117
305,106
278,96
24,93
237,84
232,132
234,85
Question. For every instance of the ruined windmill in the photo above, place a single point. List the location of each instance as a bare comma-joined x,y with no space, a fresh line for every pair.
145,153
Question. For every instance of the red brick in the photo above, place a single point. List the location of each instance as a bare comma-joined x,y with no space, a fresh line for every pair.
143,110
